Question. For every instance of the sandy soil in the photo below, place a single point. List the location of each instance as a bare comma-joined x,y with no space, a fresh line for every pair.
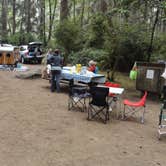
36,129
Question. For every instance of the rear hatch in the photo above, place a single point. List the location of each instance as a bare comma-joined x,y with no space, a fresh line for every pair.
32,48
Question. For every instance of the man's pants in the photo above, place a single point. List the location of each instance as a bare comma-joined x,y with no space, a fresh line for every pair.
55,80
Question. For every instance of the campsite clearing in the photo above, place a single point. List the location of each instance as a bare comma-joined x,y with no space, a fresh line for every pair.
36,129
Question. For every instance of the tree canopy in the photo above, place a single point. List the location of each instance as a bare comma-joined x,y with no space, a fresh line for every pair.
115,32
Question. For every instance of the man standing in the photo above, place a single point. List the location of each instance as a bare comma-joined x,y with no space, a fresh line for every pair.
56,68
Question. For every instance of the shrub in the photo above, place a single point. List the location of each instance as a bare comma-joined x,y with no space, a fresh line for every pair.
96,31
21,38
126,45
159,48
68,36
14,39
85,55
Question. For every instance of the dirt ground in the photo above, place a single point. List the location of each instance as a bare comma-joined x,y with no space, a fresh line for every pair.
36,129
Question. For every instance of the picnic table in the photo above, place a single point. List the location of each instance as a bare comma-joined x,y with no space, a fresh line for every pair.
87,78
72,77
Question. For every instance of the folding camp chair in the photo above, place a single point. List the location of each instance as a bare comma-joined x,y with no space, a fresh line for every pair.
162,120
77,98
162,116
134,107
98,106
112,97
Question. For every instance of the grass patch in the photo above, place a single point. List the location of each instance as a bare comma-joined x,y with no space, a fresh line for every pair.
124,80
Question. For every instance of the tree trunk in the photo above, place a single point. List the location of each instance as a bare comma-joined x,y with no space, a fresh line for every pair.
27,15
115,67
42,21
152,34
64,11
74,10
103,6
82,12
14,16
164,22
88,15
145,11
4,19
22,10
51,18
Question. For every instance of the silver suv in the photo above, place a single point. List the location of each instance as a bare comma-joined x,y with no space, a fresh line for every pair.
31,52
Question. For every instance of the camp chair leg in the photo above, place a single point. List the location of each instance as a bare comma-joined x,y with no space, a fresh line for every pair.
108,113
108,116
132,112
80,104
159,135
70,105
77,98
142,119
88,114
84,105
123,116
134,107
92,113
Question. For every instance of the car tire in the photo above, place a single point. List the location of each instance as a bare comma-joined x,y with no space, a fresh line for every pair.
22,60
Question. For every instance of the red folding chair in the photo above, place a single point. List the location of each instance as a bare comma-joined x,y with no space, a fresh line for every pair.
134,107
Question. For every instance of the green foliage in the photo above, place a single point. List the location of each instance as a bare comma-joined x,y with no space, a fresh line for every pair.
26,38
159,50
85,55
51,44
112,44
97,31
20,38
126,45
14,39
68,36
114,38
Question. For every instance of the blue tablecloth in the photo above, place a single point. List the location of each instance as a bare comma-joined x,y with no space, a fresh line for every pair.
97,78
89,77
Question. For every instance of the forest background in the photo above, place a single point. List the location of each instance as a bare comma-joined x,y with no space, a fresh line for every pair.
115,33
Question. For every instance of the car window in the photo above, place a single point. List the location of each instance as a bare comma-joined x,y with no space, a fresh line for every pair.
31,49
22,48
